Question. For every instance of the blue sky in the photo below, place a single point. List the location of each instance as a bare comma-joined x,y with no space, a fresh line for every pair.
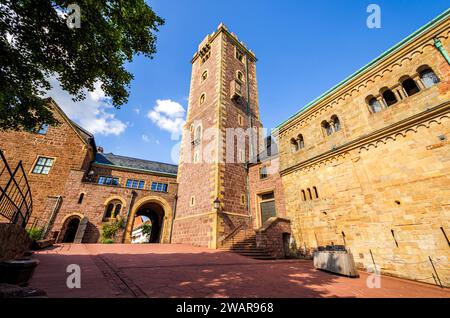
303,49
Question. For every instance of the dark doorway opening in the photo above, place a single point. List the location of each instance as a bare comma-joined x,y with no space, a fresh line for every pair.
155,213
286,245
71,230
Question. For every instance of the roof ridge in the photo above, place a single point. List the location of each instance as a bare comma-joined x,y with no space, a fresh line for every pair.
165,163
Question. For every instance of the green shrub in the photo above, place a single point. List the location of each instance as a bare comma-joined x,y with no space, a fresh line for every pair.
35,233
109,230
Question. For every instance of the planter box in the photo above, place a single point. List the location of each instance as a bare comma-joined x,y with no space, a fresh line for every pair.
336,261
17,272
38,245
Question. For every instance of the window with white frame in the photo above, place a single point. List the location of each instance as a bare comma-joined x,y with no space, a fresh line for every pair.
159,187
43,165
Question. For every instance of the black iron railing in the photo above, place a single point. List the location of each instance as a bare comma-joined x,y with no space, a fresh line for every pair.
16,203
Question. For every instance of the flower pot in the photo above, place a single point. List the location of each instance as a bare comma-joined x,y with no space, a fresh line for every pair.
18,271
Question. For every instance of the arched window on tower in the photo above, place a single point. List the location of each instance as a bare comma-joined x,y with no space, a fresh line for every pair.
202,98
328,130
374,104
204,76
197,136
294,145
301,142
389,97
409,85
428,77
336,123
109,210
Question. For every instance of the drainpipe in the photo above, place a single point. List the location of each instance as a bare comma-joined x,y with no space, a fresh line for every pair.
173,217
130,207
52,218
440,47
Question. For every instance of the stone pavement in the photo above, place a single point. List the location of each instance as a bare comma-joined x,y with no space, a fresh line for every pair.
156,270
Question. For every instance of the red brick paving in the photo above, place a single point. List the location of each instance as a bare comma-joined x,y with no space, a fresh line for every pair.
186,271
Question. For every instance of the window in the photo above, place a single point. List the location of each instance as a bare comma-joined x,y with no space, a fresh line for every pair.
336,123
192,201
410,86
196,157
301,142
242,199
294,145
135,184
263,173
159,187
316,193
239,55
43,129
240,76
303,195
309,194
202,98
113,209
268,196
240,120
241,155
327,128
108,180
205,57
43,165
428,77
375,105
80,199
204,76
389,97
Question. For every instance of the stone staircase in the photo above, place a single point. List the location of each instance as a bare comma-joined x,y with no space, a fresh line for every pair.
244,243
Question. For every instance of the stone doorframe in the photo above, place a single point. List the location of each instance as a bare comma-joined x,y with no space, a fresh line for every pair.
167,220
64,222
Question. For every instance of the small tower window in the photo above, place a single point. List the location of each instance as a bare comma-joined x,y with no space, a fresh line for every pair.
202,98
303,195
410,86
389,97
80,198
204,76
316,193
428,77
309,194
239,55
375,105
240,76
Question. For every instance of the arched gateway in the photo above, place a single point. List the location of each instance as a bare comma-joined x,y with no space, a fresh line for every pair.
160,214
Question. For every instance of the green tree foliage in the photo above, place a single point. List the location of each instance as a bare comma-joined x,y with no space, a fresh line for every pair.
35,43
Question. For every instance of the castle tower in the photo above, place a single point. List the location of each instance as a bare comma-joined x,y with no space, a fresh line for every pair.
217,141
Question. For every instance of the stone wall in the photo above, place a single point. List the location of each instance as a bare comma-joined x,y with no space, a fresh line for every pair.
383,180
274,237
14,241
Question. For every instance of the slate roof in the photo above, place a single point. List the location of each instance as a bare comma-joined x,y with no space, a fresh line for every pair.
134,163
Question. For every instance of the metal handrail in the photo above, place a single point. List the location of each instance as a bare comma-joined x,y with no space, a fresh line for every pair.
16,202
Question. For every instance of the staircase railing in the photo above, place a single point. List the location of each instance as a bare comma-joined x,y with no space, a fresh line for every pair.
16,203
231,237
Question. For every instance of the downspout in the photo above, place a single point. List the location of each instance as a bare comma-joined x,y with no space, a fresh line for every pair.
440,47
52,218
173,217
130,207
250,141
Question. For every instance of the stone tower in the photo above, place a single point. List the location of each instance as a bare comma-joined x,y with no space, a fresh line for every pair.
217,141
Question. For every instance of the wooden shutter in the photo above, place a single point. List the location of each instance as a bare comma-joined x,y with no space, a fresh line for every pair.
80,231
267,210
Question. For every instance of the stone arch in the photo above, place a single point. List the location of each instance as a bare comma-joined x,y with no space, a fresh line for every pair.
166,222
115,197
65,223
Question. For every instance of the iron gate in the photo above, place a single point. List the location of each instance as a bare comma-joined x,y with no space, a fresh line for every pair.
16,203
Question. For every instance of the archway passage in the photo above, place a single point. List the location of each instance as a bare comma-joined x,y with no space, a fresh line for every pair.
71,229
155,214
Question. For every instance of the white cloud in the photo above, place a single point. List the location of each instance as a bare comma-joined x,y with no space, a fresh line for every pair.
168,115
93,113
137,110
145,138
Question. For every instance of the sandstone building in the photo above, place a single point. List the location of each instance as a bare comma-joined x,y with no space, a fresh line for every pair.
365,165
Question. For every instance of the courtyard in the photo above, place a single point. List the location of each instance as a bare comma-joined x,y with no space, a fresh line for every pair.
161,270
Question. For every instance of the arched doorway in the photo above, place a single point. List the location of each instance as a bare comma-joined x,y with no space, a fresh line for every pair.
71,229
150,213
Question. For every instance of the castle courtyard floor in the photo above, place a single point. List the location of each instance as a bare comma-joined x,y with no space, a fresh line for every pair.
186,271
